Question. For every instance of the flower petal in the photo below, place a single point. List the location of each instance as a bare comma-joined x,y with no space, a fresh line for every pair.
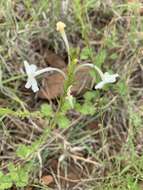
30,69
34,85
100,85
110,78
27,67
33,68
28,84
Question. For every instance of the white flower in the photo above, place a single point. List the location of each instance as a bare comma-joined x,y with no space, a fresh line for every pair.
106,78
32,72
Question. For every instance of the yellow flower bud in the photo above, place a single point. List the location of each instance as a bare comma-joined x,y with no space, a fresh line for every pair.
60,26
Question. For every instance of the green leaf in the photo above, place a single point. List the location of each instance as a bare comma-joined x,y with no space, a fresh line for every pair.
11,167
5,182
67,106
122,88
23,151
19,175
23,178
86,108
88,96
46,110
63,121
13,172
85,53
14,176
100,58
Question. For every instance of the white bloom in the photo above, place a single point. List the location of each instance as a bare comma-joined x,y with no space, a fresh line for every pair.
32,72
106,78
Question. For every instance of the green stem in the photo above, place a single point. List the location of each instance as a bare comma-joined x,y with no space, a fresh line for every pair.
14,78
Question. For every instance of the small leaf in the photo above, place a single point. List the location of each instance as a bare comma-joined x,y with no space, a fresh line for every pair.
13,172
11,167
122,88
5,182
23,178
86,108
63,121
100,58
46,110
23,151
14,176
66,106
89,95
85,53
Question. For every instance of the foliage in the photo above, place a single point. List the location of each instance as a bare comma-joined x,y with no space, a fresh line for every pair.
107,34
18,175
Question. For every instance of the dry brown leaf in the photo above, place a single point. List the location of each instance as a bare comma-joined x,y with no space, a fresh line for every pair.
83,81
47,179
52,86
54,60
46,56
